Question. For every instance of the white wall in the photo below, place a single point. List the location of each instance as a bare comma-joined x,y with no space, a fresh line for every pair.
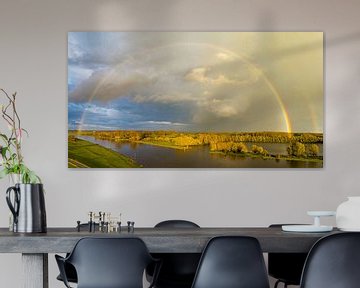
33,62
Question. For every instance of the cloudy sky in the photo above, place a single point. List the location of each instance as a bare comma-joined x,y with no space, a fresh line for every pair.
196,81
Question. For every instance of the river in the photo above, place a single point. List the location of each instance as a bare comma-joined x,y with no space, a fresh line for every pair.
150,156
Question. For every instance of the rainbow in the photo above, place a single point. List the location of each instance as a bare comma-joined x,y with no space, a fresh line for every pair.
285,116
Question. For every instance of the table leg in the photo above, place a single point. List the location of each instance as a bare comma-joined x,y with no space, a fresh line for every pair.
35,270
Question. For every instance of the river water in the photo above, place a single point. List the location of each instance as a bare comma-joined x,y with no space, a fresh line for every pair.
150,156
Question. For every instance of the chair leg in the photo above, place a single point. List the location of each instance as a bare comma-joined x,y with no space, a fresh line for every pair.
278,282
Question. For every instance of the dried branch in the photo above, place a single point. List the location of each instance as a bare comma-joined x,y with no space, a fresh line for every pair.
14,123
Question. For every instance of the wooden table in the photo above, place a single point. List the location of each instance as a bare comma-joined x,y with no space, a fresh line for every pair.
35,247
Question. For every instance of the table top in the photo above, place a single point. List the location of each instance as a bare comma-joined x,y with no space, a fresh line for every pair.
158,240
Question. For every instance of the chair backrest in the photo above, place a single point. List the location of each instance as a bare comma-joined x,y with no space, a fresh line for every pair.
176,224
232,262
286,266
333,262
110,262
178,269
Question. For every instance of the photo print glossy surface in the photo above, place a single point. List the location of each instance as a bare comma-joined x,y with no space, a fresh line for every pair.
195,100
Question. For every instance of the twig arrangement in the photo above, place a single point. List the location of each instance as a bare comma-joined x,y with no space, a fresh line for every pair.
12,160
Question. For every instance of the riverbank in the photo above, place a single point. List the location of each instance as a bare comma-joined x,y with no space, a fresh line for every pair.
162,144
84,154
200,156
317,159
267,157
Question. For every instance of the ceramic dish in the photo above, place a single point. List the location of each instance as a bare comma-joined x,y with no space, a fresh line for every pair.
306,228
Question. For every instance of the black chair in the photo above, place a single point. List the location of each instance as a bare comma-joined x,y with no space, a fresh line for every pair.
176,224
178,269
333,262
69,269
232,262
286,267
108,263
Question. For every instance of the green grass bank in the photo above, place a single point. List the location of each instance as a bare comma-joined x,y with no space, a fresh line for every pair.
84,154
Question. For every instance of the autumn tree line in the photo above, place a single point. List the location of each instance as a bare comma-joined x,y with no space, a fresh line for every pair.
301,145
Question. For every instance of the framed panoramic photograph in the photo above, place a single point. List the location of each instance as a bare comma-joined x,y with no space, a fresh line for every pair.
195,100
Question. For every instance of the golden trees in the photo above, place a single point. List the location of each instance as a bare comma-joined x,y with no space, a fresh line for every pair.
313,150
297,149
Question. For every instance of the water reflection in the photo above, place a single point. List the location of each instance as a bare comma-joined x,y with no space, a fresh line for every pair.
150,156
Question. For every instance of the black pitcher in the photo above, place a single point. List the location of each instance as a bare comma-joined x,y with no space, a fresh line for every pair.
28,208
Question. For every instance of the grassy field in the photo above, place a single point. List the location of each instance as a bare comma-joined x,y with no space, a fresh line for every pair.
83,154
